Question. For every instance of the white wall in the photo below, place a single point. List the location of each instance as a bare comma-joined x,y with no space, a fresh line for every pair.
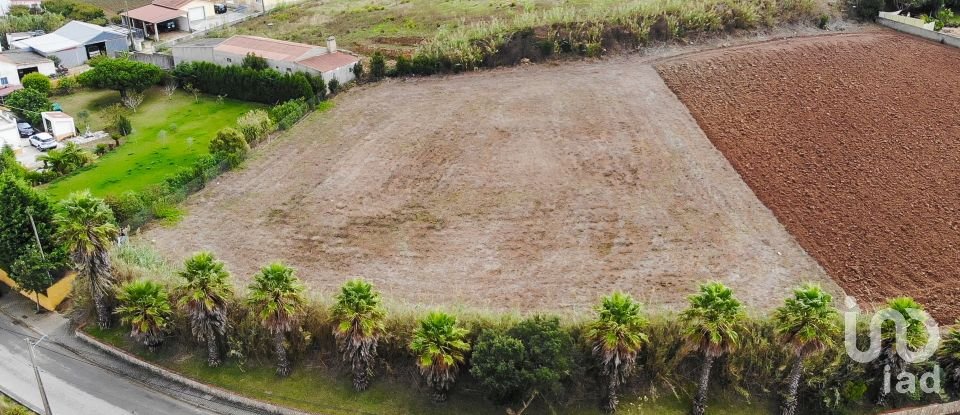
9,71
9,135
207,8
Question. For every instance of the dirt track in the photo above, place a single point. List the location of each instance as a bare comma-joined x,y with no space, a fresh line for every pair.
854,142
535,188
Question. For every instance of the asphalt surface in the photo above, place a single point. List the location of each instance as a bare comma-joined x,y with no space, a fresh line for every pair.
82,380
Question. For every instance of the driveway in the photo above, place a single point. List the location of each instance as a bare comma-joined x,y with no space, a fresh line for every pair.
79,379
28,155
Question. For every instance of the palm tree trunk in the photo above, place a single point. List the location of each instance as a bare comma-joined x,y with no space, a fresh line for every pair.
612,389
790,401
361,374
280,349
213,350
700,404
103,312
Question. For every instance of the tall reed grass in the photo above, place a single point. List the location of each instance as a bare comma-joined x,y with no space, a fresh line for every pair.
566,29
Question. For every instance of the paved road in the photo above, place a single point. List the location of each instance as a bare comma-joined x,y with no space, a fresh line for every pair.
81,380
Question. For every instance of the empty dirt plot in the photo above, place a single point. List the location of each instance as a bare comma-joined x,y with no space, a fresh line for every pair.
533,188
854,142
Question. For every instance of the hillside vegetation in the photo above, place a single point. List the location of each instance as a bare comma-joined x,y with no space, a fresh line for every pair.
465,28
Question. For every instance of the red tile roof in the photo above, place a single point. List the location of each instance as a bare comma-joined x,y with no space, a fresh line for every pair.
6,90
330,61
280,50
171,4
154,14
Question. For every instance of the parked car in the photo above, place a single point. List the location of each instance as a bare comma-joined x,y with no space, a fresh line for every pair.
43,141
26,130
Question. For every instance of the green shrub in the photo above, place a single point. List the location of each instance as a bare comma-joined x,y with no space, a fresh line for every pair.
255,125
333,85
498,363
288,113
125,206
868,9
403,66
255,62
246,84
37,82
101,149
229,143
378,66
67,85
28,104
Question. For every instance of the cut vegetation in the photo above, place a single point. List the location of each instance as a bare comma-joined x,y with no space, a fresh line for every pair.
523,189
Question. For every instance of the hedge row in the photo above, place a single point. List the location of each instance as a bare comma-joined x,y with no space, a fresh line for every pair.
266,86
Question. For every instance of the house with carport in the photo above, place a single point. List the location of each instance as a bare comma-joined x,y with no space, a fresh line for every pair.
14,64
163,16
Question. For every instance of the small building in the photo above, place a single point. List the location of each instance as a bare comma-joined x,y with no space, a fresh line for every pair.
284,56
14,64
58,124
15,36
9,134
76,42
30,4
168,16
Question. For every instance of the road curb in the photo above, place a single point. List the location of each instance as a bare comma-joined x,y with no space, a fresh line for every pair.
21,401
187,382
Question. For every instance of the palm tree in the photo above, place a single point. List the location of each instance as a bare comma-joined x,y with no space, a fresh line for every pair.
86,227
277,297
948,357
916,338
440,347
358,317
205,294
808,323
711,325
66,159
617,336
145,306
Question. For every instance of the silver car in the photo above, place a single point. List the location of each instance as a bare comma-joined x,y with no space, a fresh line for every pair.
43,141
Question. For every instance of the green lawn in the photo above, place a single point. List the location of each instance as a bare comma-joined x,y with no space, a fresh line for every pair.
169,133
314,388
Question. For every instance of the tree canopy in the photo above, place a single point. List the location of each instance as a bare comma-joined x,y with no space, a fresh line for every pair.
16,235
120,74
28,104
36,81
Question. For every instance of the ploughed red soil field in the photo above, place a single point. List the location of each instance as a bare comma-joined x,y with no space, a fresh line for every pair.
853,141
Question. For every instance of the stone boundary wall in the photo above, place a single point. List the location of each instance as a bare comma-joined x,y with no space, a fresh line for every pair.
921,32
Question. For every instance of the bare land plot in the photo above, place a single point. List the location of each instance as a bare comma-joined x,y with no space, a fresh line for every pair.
854,143
531,188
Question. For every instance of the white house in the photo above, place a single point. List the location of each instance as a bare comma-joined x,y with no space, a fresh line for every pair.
168,16
15,64
287,57
76,42
58,124
9,135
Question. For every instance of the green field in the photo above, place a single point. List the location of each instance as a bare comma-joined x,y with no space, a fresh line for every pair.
316,388
169,133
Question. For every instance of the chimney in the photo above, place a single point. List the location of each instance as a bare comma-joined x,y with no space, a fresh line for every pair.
331,44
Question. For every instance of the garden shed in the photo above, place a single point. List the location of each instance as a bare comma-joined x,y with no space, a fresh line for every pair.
58,124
